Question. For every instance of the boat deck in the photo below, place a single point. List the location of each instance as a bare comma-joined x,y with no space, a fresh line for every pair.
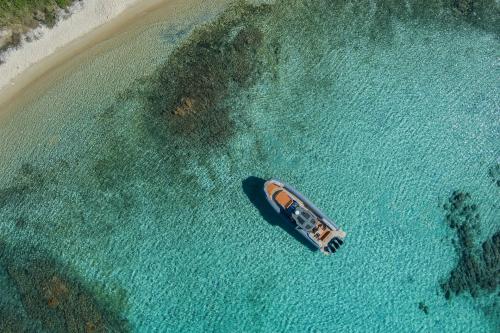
322,232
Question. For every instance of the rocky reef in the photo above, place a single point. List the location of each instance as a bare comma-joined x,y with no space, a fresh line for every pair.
26,180
187,99
476,10
494,173
465,7
52,298
423,307
478,268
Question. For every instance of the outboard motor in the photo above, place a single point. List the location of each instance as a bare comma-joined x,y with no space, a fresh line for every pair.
333,242
332,248
339,240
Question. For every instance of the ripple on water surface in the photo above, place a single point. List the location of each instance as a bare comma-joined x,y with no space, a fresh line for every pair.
377,113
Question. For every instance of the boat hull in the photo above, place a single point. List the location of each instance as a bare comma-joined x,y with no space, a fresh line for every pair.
336,236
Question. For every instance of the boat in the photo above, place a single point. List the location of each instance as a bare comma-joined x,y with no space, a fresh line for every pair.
307,219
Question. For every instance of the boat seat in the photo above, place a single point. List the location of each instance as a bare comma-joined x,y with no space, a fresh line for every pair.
325,235
283,199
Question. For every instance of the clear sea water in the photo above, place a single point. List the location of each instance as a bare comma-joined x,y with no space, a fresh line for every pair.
377,112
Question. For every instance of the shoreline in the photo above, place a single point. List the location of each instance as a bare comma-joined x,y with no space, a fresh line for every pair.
85,28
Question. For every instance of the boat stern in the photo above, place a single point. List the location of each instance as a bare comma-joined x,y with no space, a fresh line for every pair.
334,242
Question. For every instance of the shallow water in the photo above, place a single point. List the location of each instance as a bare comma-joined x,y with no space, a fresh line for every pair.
377,113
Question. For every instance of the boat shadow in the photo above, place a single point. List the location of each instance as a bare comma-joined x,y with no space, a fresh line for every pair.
254,190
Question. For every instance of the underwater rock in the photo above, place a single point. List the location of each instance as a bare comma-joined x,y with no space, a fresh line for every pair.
186,107
244,52
79,200
26,180
465,7
494,173
491,259
423,307
492,311
481,13
478,269
188,98
52,296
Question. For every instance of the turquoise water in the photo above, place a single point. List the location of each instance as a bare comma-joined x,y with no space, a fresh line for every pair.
118,214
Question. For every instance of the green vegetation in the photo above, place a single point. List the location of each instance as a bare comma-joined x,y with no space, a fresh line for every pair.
20,16
30,12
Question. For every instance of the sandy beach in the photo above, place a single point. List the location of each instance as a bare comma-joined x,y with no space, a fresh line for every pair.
91,22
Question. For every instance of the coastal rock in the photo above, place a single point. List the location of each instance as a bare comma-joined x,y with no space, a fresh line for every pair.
39,16
5,36
10,38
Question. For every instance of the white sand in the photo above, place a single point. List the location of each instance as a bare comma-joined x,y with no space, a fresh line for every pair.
86,16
